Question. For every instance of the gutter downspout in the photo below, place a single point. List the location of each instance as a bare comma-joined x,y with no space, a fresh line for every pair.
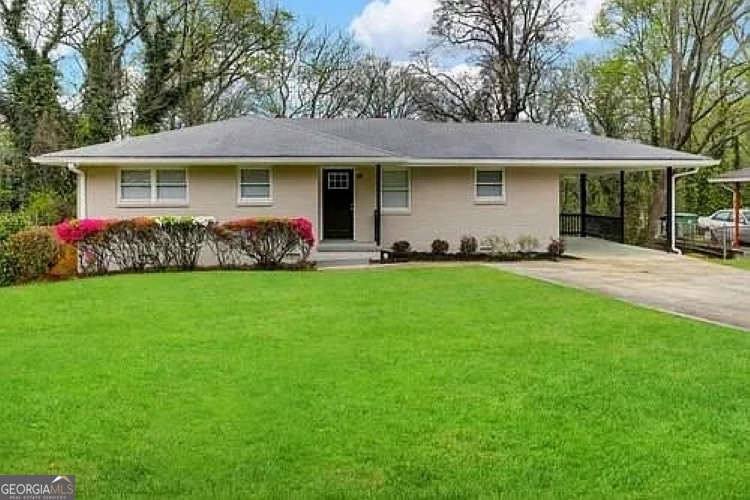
673,221
81,188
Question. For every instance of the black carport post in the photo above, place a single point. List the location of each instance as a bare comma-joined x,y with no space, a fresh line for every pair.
622,206
584,205
670,209
378,204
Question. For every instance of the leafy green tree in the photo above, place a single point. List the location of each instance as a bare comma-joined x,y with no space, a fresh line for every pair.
29,103
102,89
194,52
691,62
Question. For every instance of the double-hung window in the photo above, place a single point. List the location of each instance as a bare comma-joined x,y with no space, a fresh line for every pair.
255,185
153,185
489,185
396,190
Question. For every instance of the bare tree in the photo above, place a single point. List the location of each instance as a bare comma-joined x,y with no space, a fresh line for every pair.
512,42
311,75
384,90
456,95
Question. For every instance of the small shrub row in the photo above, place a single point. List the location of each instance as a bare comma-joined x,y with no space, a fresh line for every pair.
99,246
494,245
491,248
177,242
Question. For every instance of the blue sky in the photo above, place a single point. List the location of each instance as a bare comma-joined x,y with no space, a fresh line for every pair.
395,28
339,13
392,28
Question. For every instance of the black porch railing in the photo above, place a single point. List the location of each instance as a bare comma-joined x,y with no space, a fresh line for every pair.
570,225
597,226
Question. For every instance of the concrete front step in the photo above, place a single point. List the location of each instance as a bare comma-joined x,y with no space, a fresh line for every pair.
332,264
347,247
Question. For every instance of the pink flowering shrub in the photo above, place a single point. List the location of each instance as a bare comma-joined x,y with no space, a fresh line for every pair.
269,242
144,243
304,230
75,231
90,237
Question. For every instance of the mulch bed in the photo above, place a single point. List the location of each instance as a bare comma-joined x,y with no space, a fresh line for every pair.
395,257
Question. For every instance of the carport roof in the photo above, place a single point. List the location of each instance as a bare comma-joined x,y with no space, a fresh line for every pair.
256,139
735,176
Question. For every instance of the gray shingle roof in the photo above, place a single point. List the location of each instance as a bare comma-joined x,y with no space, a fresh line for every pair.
523,141
245,137
404,141
735,176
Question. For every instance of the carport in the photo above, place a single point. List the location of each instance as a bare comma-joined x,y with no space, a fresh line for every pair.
734,181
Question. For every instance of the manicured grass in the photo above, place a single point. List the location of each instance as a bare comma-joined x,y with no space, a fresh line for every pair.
739,263
421,383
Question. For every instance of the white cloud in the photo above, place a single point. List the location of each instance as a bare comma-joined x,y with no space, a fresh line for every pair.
463,70
397,27
585,13
394,27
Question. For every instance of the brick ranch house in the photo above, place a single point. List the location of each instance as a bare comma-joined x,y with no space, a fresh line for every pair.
362,182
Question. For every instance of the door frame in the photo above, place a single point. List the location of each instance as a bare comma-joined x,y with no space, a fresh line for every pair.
321,201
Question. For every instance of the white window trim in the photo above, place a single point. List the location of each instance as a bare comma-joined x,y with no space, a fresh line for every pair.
489,200
398,210
254,202
153,201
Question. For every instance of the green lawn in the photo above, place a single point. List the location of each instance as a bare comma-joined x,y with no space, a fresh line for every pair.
739,263
396,384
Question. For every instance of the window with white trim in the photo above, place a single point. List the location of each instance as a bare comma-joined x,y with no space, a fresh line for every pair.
396,189
153,185
490,184
255,185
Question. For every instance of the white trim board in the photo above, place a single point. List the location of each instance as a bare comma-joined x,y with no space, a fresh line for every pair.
637,164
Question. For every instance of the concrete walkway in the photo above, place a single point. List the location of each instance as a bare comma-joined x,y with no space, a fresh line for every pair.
680,285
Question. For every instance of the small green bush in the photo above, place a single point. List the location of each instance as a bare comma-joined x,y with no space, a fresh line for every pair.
46,208
440,247
7,199
8,266
556,248
469,245
12,223
527,243
401,246
35,252
498,245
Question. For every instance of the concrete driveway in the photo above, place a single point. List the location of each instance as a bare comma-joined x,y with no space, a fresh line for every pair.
680,285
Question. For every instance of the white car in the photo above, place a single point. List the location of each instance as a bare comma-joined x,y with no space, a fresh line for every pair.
725,219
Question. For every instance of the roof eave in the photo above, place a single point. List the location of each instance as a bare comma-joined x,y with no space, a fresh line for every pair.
211,161
637,164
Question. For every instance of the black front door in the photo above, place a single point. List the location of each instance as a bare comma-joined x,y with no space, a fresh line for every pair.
338,204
